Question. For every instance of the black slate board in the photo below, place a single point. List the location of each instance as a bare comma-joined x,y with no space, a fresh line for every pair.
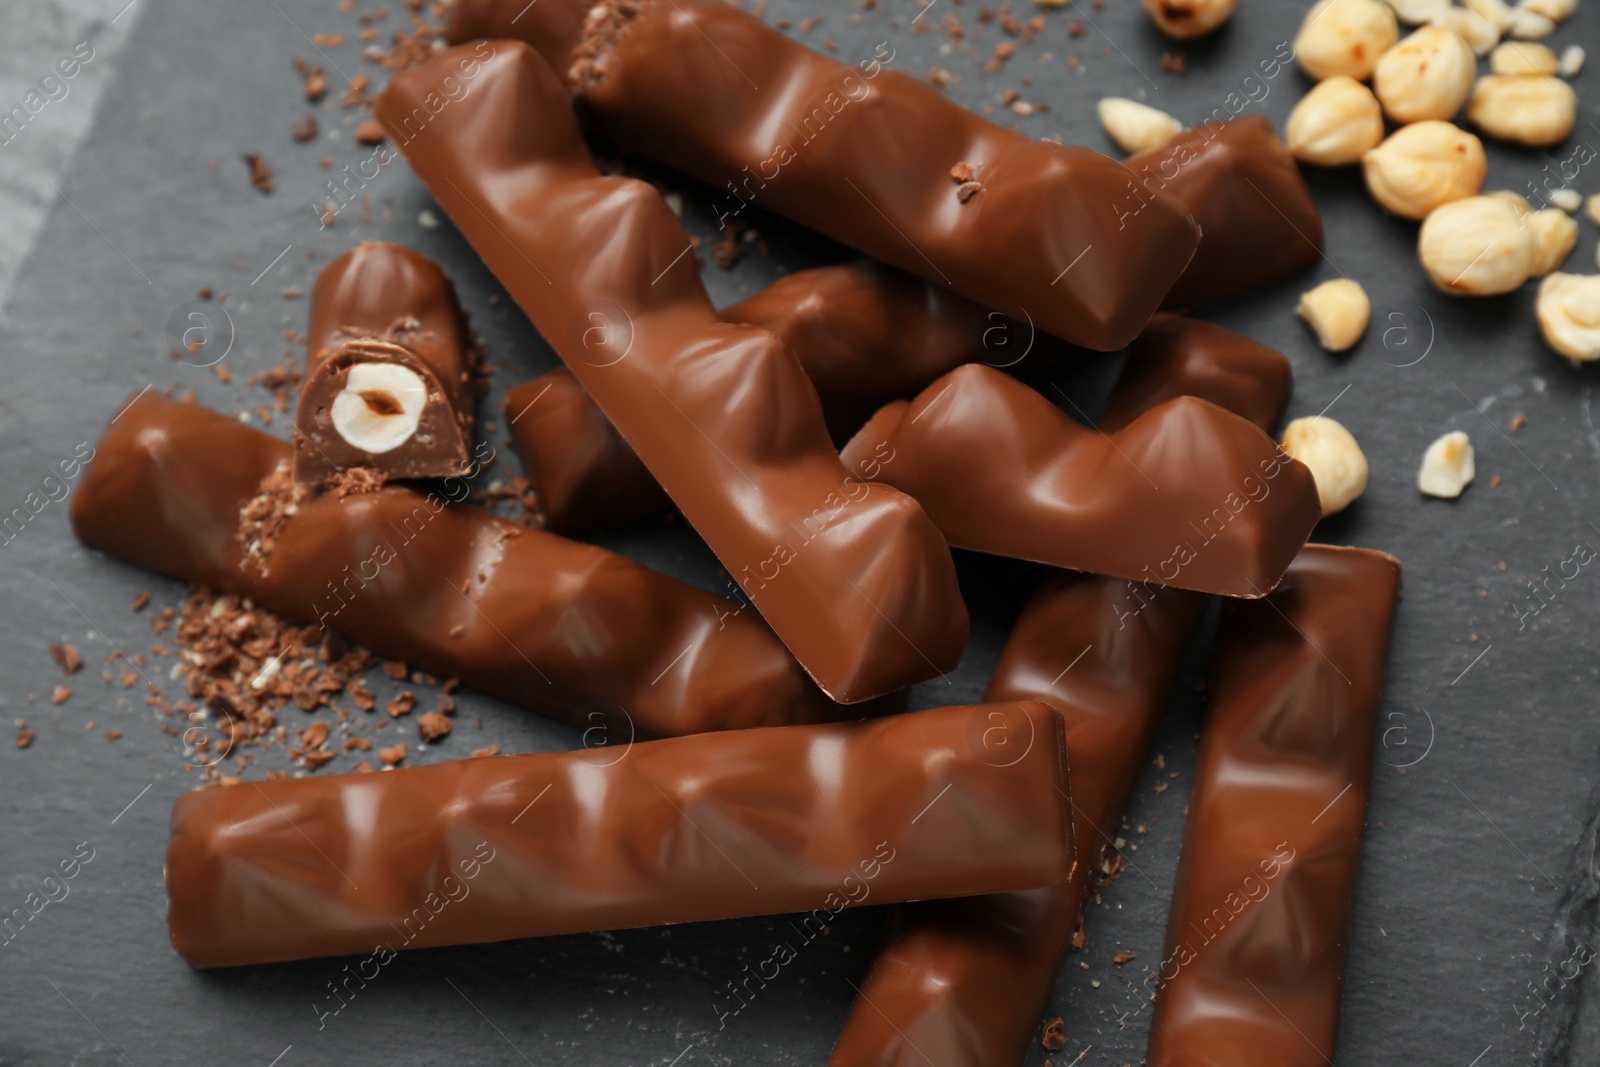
1466,849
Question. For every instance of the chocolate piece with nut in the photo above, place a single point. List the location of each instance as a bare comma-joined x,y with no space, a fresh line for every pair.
391,371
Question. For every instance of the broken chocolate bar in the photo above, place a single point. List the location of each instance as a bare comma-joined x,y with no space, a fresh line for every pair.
1261,909
568,630
1187,494
854,579
1061,237
391,371
864,333
1244,189
971,977
749,822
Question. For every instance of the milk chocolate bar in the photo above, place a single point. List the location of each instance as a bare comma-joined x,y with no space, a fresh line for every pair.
1244,189
565,629
1261,909
864,333
1187,494
750,822
1060,236
970,978
391,370
854,579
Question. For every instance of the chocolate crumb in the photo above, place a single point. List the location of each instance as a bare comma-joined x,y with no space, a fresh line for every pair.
354,481
1122,957
59,694
401,705
1518,421
488,750
392,755
370,132
25,738
968,190
316,86
139,601
962,173
66,658
260,173
304,128
1054,1038
432,726
1174,63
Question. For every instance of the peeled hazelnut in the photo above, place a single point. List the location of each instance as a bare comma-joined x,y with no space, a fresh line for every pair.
1591,208
380,406
1526,109
1135,126
1568,200
1448,466
1428,75
1554,10
1418,12
1345,37
1557,234
1498,12
1336,462
1572,58
1421,166
1568,309
1335,123
1188,18
1480,33
1523,57
1478,246
1531,26
1337,313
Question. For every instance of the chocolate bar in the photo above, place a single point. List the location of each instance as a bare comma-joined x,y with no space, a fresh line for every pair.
970,978
1059,236
854,579
1261,909
750,822
1244,189
391,370
565,629
1187,494
864,333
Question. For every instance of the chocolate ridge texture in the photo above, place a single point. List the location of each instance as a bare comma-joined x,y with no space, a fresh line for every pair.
568,630
381,303
1187,494
748,822
1261,908
857,582
863,332
1060,236
1245,190
971,977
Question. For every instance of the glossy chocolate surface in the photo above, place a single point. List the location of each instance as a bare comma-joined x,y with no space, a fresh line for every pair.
864,333
1187,494
1257,219
963,983
1060,236
750,822
855,580
1261,908
565,629
380,303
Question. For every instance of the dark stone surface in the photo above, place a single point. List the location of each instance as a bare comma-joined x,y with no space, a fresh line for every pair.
1466,849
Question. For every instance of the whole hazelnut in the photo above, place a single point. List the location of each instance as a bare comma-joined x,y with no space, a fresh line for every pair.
1428,75
1183,19
1345,37
1421,166
1479,246
1523,57
1528,109
1335,123
1557,234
